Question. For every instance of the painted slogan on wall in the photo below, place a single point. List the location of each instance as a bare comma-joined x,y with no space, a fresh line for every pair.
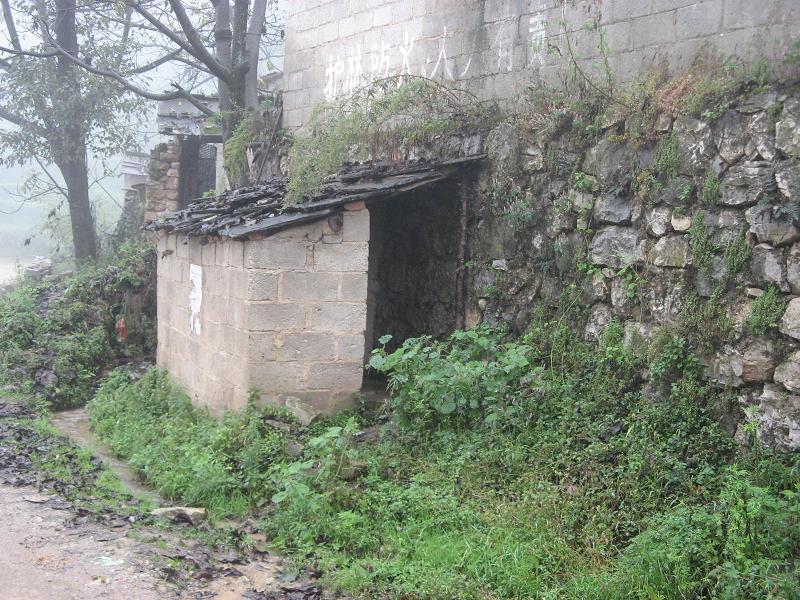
435,58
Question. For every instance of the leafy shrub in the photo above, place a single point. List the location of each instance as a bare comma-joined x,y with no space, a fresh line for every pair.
181,450
710,193
56,337
736,254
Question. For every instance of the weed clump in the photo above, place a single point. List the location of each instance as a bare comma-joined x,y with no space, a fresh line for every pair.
702,245
668,159
767,311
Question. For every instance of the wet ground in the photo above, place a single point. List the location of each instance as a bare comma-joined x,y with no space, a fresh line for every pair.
58,543
75,425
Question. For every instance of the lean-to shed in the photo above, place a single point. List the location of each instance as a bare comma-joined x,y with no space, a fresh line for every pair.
290,300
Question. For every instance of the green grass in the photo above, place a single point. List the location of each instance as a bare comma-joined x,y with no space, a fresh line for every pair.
182,451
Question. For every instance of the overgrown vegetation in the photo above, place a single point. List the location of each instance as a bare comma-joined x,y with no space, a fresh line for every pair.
702,245
540,467
182,451
710,193
387,117
58,336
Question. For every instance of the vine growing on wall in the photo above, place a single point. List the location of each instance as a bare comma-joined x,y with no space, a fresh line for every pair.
386,119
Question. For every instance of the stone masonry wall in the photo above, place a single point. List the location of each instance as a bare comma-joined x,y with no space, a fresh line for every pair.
285,314
691,230
161,194
495,48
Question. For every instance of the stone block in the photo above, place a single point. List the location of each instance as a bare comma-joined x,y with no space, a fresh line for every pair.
344,257
653,30
339,317
182,246
306,346
303,286
335,376
260,347
276,254
353,287
269,316
698,20
261,285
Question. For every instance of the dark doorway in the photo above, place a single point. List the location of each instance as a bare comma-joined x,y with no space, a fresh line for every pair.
198,169
414,260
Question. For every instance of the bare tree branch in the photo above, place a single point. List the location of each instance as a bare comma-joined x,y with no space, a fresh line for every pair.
179,93
22,122
156,63
200,52
254,32
8,17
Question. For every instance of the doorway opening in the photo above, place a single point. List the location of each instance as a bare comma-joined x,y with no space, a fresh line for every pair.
415,255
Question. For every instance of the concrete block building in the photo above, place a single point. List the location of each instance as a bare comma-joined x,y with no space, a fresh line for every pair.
290,303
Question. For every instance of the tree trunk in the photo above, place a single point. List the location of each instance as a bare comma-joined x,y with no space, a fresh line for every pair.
70,147
75,173
254,32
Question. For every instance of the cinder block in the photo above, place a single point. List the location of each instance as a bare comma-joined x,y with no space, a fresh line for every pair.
300,285
335,376
276,254
698,20
236,253
261,285
353,287
278,377
350,348
344,257
195,251
260,347
268,316
653,30
339,317
355,227
238,283
182,246
306,346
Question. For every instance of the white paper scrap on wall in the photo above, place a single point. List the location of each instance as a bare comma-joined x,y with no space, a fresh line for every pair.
195,297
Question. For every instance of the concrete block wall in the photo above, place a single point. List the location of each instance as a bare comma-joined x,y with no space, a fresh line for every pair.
286,314
212,364
306,310
495,48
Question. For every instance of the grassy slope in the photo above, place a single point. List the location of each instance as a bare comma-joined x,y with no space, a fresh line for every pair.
528,469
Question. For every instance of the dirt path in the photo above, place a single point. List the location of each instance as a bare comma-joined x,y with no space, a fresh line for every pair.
75,425
43,558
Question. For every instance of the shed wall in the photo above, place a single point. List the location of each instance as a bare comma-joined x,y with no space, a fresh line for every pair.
285,314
